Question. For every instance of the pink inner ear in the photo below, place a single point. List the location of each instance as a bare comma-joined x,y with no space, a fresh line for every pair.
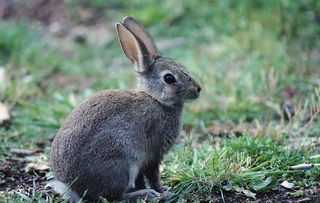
134,48
138,29
129,44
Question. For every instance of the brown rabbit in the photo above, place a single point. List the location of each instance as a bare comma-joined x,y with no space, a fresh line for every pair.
115,139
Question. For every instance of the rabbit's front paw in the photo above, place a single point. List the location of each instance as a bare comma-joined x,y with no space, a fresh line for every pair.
161,188
166,192
165,189
147,194
152,195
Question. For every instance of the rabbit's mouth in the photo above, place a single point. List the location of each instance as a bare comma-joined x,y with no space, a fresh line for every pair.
192,94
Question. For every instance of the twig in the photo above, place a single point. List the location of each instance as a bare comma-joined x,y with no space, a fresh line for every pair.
315,156
303,166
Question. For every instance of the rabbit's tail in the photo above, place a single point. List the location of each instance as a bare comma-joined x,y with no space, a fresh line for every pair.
64,190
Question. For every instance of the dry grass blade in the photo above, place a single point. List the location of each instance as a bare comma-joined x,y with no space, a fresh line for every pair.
24,152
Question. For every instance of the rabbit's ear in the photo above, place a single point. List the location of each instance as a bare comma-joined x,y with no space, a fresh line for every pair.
134,49
135,27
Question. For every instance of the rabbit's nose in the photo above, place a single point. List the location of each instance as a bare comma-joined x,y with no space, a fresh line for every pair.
198,88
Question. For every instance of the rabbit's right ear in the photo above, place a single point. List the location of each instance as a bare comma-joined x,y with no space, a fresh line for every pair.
134,49
138,30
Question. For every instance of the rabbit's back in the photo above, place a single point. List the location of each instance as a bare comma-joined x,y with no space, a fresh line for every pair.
108,135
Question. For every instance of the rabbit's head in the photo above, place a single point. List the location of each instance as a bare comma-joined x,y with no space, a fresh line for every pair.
162,78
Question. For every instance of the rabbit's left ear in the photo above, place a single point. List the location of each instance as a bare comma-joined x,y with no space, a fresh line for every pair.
134,48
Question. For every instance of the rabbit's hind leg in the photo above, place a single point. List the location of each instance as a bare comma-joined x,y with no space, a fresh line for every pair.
148,194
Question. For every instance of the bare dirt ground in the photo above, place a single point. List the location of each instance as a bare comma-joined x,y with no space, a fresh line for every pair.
16,179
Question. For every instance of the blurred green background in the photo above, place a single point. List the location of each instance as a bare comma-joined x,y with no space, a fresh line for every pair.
55,53
245,53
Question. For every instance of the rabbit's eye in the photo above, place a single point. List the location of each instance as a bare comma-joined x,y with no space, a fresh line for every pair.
169,78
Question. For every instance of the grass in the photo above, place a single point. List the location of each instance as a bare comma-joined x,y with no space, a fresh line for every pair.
244,54
248,163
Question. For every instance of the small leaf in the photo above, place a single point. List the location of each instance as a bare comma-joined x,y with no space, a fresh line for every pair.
228,186
37,166
287,184
259,185
237,188
248,193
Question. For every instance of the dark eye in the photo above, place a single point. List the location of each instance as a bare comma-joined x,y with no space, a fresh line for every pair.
169,78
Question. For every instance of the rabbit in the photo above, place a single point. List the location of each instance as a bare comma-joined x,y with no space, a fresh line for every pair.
114,140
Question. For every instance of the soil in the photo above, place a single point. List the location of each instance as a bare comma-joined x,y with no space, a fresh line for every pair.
14,178
45,11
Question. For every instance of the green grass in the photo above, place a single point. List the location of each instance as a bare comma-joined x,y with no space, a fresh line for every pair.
244,53
242,164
